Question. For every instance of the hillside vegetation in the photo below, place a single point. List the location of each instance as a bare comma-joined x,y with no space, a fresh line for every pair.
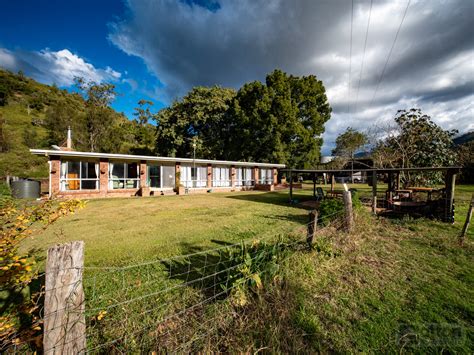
34,115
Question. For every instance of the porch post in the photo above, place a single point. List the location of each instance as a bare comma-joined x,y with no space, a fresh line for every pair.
209,175
104,176
232,176
143,182
177,175
255,174
275,176
54,176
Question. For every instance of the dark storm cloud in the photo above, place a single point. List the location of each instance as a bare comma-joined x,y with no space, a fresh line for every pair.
186,44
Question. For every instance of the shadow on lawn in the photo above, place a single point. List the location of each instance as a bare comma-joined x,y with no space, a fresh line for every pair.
275,198
203,269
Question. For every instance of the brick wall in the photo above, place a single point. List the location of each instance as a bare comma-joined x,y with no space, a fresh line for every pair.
255,174
232,176
54,175
142,171
209,175
104,176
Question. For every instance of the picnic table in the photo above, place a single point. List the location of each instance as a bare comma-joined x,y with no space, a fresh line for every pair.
429,190
335,193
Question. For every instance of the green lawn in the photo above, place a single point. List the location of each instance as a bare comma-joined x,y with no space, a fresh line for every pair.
123,230
390,286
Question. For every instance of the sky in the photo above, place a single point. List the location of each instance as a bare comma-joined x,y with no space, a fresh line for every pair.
374,57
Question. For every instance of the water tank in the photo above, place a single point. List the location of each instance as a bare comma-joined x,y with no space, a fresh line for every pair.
25,189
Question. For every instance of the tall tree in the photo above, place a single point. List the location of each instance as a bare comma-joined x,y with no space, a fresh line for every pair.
349,142
416,141
143,132
281,120
198,118
99,116
59,117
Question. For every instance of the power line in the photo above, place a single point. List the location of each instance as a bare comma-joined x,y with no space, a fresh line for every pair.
390,53
350,63
363,56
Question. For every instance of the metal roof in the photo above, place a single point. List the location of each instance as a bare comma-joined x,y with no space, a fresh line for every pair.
378,170
65,153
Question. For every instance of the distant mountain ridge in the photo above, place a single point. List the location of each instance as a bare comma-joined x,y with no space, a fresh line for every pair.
464,138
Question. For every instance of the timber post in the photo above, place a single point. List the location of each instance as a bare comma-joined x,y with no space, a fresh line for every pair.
374,192
450,187
313,222
64,305
348,214
314,184
468,221
291,186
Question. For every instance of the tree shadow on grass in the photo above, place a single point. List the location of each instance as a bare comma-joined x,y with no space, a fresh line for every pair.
203,269
275,198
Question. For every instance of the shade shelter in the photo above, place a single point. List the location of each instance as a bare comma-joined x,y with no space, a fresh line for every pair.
397,199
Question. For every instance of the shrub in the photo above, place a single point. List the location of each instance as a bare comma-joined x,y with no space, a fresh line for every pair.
331,209
18,270
250,266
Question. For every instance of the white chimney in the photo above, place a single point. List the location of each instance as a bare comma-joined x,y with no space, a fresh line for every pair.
69,138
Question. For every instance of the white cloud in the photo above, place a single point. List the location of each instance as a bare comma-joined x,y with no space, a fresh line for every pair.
59,67
431,66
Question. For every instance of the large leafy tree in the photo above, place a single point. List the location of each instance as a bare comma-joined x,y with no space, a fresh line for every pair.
280,121
197,119
99,116
349,142
416,141
420,142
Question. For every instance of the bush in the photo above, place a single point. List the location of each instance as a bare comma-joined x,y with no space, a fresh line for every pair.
18,270
331,209
250,266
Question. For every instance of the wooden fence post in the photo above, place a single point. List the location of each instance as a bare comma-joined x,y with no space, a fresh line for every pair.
64,319
374,192
468,221
348,218
313,222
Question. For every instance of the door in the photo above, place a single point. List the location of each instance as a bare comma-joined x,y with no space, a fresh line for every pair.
154,176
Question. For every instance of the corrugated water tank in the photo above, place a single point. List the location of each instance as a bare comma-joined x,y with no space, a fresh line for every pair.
26,189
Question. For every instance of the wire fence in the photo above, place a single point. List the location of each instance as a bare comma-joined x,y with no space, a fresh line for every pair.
170,304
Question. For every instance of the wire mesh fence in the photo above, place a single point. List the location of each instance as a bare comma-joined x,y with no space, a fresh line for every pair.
170,304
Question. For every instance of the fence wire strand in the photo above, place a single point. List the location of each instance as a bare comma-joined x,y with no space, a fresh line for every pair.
199,283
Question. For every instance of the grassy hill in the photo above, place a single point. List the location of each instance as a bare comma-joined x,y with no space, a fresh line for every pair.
34,115
23,106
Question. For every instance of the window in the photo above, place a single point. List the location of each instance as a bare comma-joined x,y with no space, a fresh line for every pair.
168,176
244,177
79,175
266,176
154,176
123,176
221,177
194,176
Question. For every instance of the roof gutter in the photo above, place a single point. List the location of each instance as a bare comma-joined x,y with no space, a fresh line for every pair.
64,153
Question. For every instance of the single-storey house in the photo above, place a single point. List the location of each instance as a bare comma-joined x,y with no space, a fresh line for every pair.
89,174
